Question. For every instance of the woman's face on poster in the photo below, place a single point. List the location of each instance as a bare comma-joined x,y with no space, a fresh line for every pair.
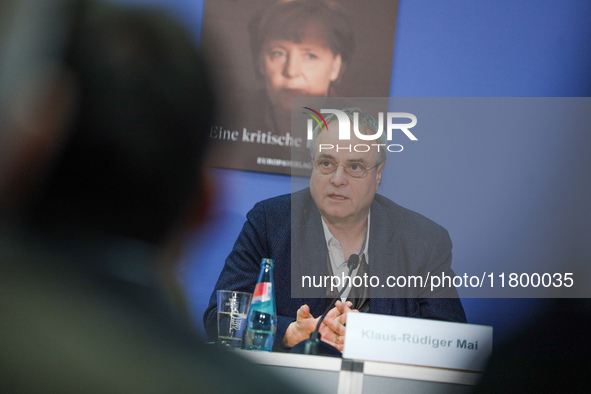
300,69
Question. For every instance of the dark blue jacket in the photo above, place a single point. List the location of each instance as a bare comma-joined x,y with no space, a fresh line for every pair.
401,242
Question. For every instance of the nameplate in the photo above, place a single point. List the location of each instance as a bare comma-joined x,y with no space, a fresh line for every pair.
406,340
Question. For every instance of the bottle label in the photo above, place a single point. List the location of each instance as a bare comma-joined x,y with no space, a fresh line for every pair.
262,292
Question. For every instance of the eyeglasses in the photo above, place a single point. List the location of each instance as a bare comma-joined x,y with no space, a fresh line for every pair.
354,169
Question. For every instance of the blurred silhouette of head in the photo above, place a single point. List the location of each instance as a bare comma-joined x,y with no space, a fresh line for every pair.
130,151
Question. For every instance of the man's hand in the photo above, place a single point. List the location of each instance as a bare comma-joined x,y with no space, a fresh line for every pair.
332,328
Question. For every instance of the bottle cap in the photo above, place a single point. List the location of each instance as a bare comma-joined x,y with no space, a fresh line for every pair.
270,262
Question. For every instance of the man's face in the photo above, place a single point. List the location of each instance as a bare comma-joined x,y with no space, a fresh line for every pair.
298,70
341,198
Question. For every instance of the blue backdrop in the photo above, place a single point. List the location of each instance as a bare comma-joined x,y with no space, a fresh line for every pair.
463,48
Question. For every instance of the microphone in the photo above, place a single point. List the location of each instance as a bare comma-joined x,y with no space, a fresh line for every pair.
314,345
353,262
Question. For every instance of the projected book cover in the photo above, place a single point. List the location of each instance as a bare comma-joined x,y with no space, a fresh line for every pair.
268,52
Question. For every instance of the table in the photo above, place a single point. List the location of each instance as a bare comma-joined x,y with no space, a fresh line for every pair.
344,376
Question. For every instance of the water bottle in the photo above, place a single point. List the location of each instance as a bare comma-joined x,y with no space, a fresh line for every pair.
261,323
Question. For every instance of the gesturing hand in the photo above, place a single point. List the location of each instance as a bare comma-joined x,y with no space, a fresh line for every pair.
332,328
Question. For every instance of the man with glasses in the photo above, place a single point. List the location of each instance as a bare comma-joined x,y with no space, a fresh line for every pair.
338,216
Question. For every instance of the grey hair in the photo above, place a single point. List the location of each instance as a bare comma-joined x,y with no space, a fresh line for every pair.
367,125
